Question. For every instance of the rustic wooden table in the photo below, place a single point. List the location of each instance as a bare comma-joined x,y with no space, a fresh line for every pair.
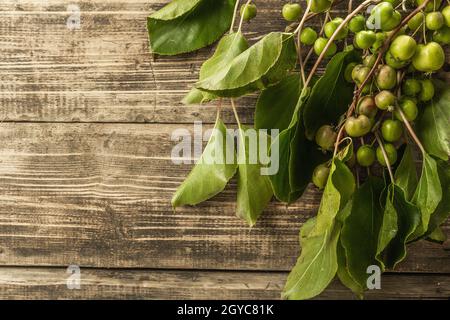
86,176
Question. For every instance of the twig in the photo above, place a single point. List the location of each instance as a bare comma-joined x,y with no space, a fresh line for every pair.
410,130
338,140
386,159
338,29
242,18
299,30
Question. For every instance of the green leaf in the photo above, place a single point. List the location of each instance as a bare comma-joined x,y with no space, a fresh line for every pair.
254,190
433,127
346,153
187,25
359,235
400,220
306,229
317,264
406,174
229,47
437,236
330,96
260,66
211,173
275,106
428,194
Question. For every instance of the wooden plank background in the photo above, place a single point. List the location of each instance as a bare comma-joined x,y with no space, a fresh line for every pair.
86,177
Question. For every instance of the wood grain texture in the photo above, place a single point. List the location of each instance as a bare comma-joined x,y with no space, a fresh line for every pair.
99,196
45,283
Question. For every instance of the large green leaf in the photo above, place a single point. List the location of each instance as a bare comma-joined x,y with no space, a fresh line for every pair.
254,190
187,25
317,264
406,174
276,105
229,47
433,127
359,235
260,66
400,220
330,96
428,194
211,173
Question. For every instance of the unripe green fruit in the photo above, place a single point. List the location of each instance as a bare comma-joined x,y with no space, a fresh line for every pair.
381,16
365,39
391,130
348,72
386,77
357,23
380,38
326,137
431,6
429,57
369,60
385,100
434,20
411,87
442,36
291,11
394,63
358,127
360,73
318,6
392,23
319,46
320,176
391,154
403,47
248,11
365,156
446,14
308,36
416,21
330,28
427,90
367,107
409,108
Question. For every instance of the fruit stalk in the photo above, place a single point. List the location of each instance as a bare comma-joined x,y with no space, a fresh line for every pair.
410,130
386,159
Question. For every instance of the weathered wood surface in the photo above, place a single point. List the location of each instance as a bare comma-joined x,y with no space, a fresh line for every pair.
86,178
51,283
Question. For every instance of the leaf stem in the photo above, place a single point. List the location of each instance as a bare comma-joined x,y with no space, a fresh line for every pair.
331,39
242,17
386,159
234,15
299,44
236,116
338,140
411,130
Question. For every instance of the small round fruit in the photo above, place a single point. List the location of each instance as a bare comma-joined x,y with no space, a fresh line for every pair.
411,87
360,73
434,20
319,46
433,5
409,108
348,72
416,21
386,77
381,37
427,90
365,156
442,36
331,26
393,22
391,154
429,57
385,100
320,176
369,60
291,11
248,11
403,47
326,137
391,130
367,107
318,6
308,36
358,127
365,39
394,63
446,14
357,23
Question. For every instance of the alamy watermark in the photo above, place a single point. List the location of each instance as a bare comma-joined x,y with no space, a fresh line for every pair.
73,281
260,147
